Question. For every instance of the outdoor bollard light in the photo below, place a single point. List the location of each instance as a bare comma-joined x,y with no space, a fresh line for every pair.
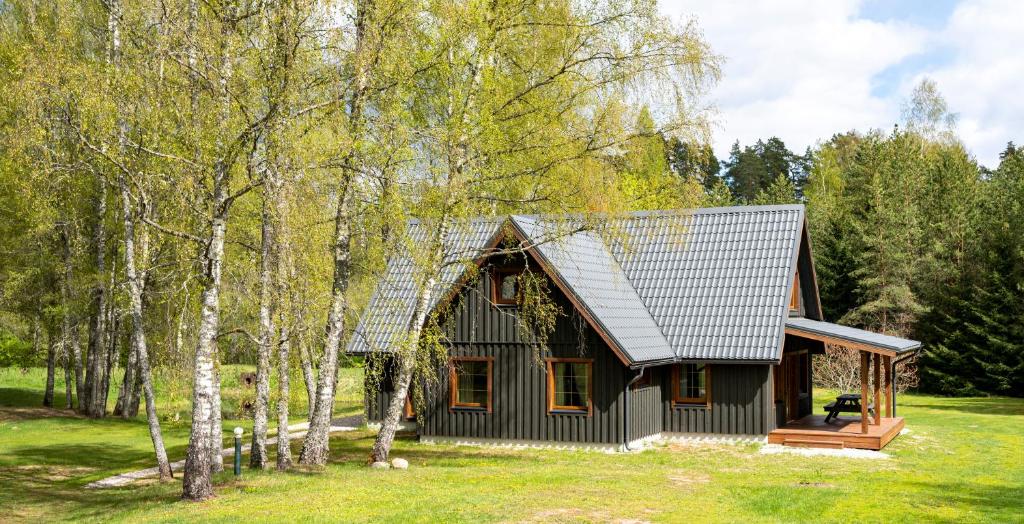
238,452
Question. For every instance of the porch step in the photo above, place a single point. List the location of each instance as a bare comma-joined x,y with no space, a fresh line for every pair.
809,443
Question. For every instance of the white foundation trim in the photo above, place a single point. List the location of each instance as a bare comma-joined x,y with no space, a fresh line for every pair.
405,425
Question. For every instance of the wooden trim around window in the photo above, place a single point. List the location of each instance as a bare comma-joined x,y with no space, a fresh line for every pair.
680,401
498,274
453,385
557,410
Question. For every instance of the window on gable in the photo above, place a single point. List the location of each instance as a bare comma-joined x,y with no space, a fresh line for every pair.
470,383
569,385
505,285
691,384
794,299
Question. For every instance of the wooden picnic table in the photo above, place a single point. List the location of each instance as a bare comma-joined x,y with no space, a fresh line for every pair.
845,403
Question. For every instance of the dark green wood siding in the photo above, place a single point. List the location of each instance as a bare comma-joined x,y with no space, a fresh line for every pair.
741,394
741,402
645,418
519,382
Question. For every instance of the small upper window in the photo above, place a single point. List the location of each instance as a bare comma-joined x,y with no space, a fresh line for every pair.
505,285
569,383
794,299
470,383
692,384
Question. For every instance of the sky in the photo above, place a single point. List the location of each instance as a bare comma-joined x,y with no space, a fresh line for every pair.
803,70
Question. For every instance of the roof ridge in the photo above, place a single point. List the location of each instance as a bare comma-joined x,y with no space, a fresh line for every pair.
682,211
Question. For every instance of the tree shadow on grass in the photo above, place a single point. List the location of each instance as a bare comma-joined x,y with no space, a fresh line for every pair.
55,475
1001,503
979,406
21,397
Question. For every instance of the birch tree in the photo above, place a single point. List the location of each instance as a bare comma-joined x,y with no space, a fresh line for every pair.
521,110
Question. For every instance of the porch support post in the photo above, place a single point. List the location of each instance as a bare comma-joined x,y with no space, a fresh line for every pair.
878,385
887,362
864,392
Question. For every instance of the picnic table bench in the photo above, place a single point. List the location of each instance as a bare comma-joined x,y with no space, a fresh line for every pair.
845,403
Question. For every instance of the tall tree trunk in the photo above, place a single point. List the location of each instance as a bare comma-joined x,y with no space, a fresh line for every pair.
112,353
205,397
284,448
306,361
258,454
96,350
203,456
69,402
69,329
283,272
129,381
51,361
135,280
406,361
315,449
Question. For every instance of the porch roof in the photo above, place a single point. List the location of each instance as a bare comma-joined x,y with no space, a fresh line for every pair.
850,337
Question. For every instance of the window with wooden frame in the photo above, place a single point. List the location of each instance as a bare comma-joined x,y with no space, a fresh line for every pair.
691,384
410,408
470,383
570,385
794,299
505,285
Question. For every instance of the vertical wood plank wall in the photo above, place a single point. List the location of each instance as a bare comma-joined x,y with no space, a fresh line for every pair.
742,401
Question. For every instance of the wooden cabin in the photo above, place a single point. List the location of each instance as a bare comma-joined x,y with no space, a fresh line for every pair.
690,324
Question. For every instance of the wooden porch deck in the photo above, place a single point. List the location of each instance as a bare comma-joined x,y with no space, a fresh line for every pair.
812,432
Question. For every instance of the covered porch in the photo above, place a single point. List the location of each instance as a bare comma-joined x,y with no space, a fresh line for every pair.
876,423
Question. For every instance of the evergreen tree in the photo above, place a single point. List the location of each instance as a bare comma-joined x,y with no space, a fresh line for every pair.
693,161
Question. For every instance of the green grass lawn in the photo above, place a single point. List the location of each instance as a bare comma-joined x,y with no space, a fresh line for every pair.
962,461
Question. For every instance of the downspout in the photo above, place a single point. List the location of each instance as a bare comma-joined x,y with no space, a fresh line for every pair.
625,409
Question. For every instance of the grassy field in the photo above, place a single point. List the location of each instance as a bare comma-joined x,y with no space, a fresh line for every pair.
962,461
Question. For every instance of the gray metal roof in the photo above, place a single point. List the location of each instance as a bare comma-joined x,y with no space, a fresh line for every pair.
585,266
707,284
849,334
390,307
716,280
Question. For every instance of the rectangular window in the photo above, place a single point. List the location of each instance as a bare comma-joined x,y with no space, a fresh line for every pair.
569,385
794,300
692,384
470,383
505,285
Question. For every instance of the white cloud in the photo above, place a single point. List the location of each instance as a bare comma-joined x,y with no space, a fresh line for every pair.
803,70
985,78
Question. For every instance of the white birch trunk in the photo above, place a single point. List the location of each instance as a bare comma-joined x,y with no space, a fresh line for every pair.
406,366
284,449
315,448
258,453
135,280
198,465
